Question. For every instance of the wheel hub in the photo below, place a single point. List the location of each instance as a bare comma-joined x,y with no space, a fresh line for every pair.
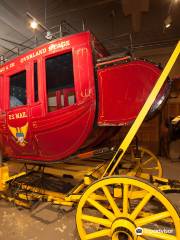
123,228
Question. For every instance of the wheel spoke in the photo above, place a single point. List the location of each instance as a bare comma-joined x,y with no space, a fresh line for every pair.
102,209
142,154
158,235
98,197
125,199
111,201
150,168
140,206
109,204
148,161
155,217
101,221
167,220
98,234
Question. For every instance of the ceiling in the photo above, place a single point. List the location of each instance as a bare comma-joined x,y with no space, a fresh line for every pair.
118,24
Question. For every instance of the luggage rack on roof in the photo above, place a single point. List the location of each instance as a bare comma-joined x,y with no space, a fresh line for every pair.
61,30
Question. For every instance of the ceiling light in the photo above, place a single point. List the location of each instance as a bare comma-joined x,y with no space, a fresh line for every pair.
168,25
168,22
34,24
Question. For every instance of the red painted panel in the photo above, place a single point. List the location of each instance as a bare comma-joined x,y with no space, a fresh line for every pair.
49,136
123,90
30,132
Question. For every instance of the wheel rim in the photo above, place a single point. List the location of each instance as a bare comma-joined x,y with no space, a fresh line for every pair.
101,216
148,163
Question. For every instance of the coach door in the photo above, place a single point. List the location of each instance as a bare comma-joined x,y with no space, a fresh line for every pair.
17,105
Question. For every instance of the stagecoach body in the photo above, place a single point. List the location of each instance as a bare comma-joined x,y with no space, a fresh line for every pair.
68,95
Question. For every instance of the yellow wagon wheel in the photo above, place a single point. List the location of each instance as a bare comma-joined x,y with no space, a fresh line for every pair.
146,161
104,215
149,163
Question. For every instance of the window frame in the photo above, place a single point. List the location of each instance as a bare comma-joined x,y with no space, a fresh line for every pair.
7,77
58,53
33,81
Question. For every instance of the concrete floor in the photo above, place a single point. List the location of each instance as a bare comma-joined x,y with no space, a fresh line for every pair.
47,224
46,221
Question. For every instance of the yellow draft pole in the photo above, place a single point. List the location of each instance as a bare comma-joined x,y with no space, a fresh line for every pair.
142,114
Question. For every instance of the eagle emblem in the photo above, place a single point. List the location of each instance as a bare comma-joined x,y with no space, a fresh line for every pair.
19,134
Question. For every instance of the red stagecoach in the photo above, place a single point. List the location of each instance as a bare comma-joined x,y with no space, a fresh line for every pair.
69,94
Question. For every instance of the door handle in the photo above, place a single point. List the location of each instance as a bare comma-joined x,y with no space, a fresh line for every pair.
3,118
2,113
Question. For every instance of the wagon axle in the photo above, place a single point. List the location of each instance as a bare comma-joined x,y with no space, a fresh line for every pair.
123,228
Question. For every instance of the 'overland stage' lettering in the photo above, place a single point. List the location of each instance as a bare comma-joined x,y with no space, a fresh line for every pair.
39,52
33,55
53,46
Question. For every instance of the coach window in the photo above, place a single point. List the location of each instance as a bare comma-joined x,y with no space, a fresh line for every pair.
36,98
17,88
60,81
